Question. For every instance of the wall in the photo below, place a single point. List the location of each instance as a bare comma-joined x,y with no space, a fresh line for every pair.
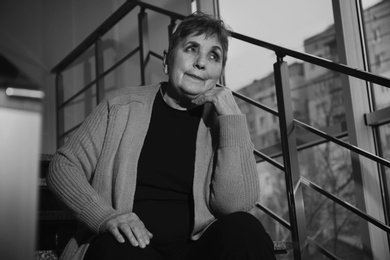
36,35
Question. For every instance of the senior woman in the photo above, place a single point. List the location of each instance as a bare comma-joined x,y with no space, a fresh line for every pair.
166,171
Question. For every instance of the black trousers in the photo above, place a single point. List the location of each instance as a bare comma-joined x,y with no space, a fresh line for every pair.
238,236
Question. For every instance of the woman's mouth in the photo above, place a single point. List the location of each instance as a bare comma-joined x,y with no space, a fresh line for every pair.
196,77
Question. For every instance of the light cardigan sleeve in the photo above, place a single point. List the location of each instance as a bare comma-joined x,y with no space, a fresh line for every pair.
73,166
235,183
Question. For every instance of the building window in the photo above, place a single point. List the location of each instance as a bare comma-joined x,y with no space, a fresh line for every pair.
274,118
261,121
377,35
379,60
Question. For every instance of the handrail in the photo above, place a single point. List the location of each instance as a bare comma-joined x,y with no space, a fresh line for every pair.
110,22
269,160
274,216
93,82
344,144
304,146
159,10
122,11
281,52
255,103
328,254
70,130
346,205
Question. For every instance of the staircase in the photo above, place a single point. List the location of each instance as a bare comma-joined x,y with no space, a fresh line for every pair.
288,126
56,226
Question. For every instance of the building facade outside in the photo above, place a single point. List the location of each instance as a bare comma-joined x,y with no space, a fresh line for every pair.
317,95
377,29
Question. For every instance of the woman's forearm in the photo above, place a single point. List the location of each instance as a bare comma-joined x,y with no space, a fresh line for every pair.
235,185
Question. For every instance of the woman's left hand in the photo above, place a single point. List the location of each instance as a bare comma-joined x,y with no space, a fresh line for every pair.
222,99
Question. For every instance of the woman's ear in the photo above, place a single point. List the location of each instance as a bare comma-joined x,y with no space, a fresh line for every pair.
165,63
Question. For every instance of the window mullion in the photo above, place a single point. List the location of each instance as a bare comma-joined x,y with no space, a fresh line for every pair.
357,103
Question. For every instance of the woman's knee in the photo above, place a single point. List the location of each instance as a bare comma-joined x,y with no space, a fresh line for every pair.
238,235
239,221
106,247
241,226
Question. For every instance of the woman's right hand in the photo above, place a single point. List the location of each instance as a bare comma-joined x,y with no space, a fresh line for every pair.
129,226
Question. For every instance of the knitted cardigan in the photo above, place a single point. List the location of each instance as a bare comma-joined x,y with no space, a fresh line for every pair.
94,173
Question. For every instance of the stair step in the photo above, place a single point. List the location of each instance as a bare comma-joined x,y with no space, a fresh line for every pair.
50,212
280,247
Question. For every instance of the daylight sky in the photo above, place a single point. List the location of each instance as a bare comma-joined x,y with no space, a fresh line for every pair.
282,22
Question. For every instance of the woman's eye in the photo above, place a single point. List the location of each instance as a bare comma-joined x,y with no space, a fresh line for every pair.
214,56
190,49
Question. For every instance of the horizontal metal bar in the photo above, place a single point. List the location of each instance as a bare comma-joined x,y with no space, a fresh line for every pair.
252,102
306,141
273,215
77,94
281,51
69,131
158,10
276,150
346,205
118,63
126,57
317,141
255,103
378,118
158,56
269,159
121,12
321,249
343,144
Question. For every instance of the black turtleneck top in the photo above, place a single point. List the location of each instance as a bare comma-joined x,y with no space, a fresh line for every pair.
163,197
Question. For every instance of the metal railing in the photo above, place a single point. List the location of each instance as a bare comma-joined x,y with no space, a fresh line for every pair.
288,124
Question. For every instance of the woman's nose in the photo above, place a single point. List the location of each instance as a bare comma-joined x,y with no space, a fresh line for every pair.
200,62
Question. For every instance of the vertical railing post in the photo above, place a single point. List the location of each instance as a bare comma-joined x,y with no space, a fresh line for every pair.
143,32
60,123
99,68
290,157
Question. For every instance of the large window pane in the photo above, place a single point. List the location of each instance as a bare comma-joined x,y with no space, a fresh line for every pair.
384,136
377,27
282,22
318,100
376,16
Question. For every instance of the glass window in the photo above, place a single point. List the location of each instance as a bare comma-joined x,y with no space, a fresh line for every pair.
376,15
317,99
282,22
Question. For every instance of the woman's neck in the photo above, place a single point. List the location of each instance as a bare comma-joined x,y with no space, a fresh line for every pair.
173,99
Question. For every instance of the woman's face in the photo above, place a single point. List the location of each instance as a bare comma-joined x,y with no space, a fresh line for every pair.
196,66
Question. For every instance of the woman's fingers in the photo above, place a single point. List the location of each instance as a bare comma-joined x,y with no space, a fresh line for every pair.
129,226
115,232
126,230
140,232
222,99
